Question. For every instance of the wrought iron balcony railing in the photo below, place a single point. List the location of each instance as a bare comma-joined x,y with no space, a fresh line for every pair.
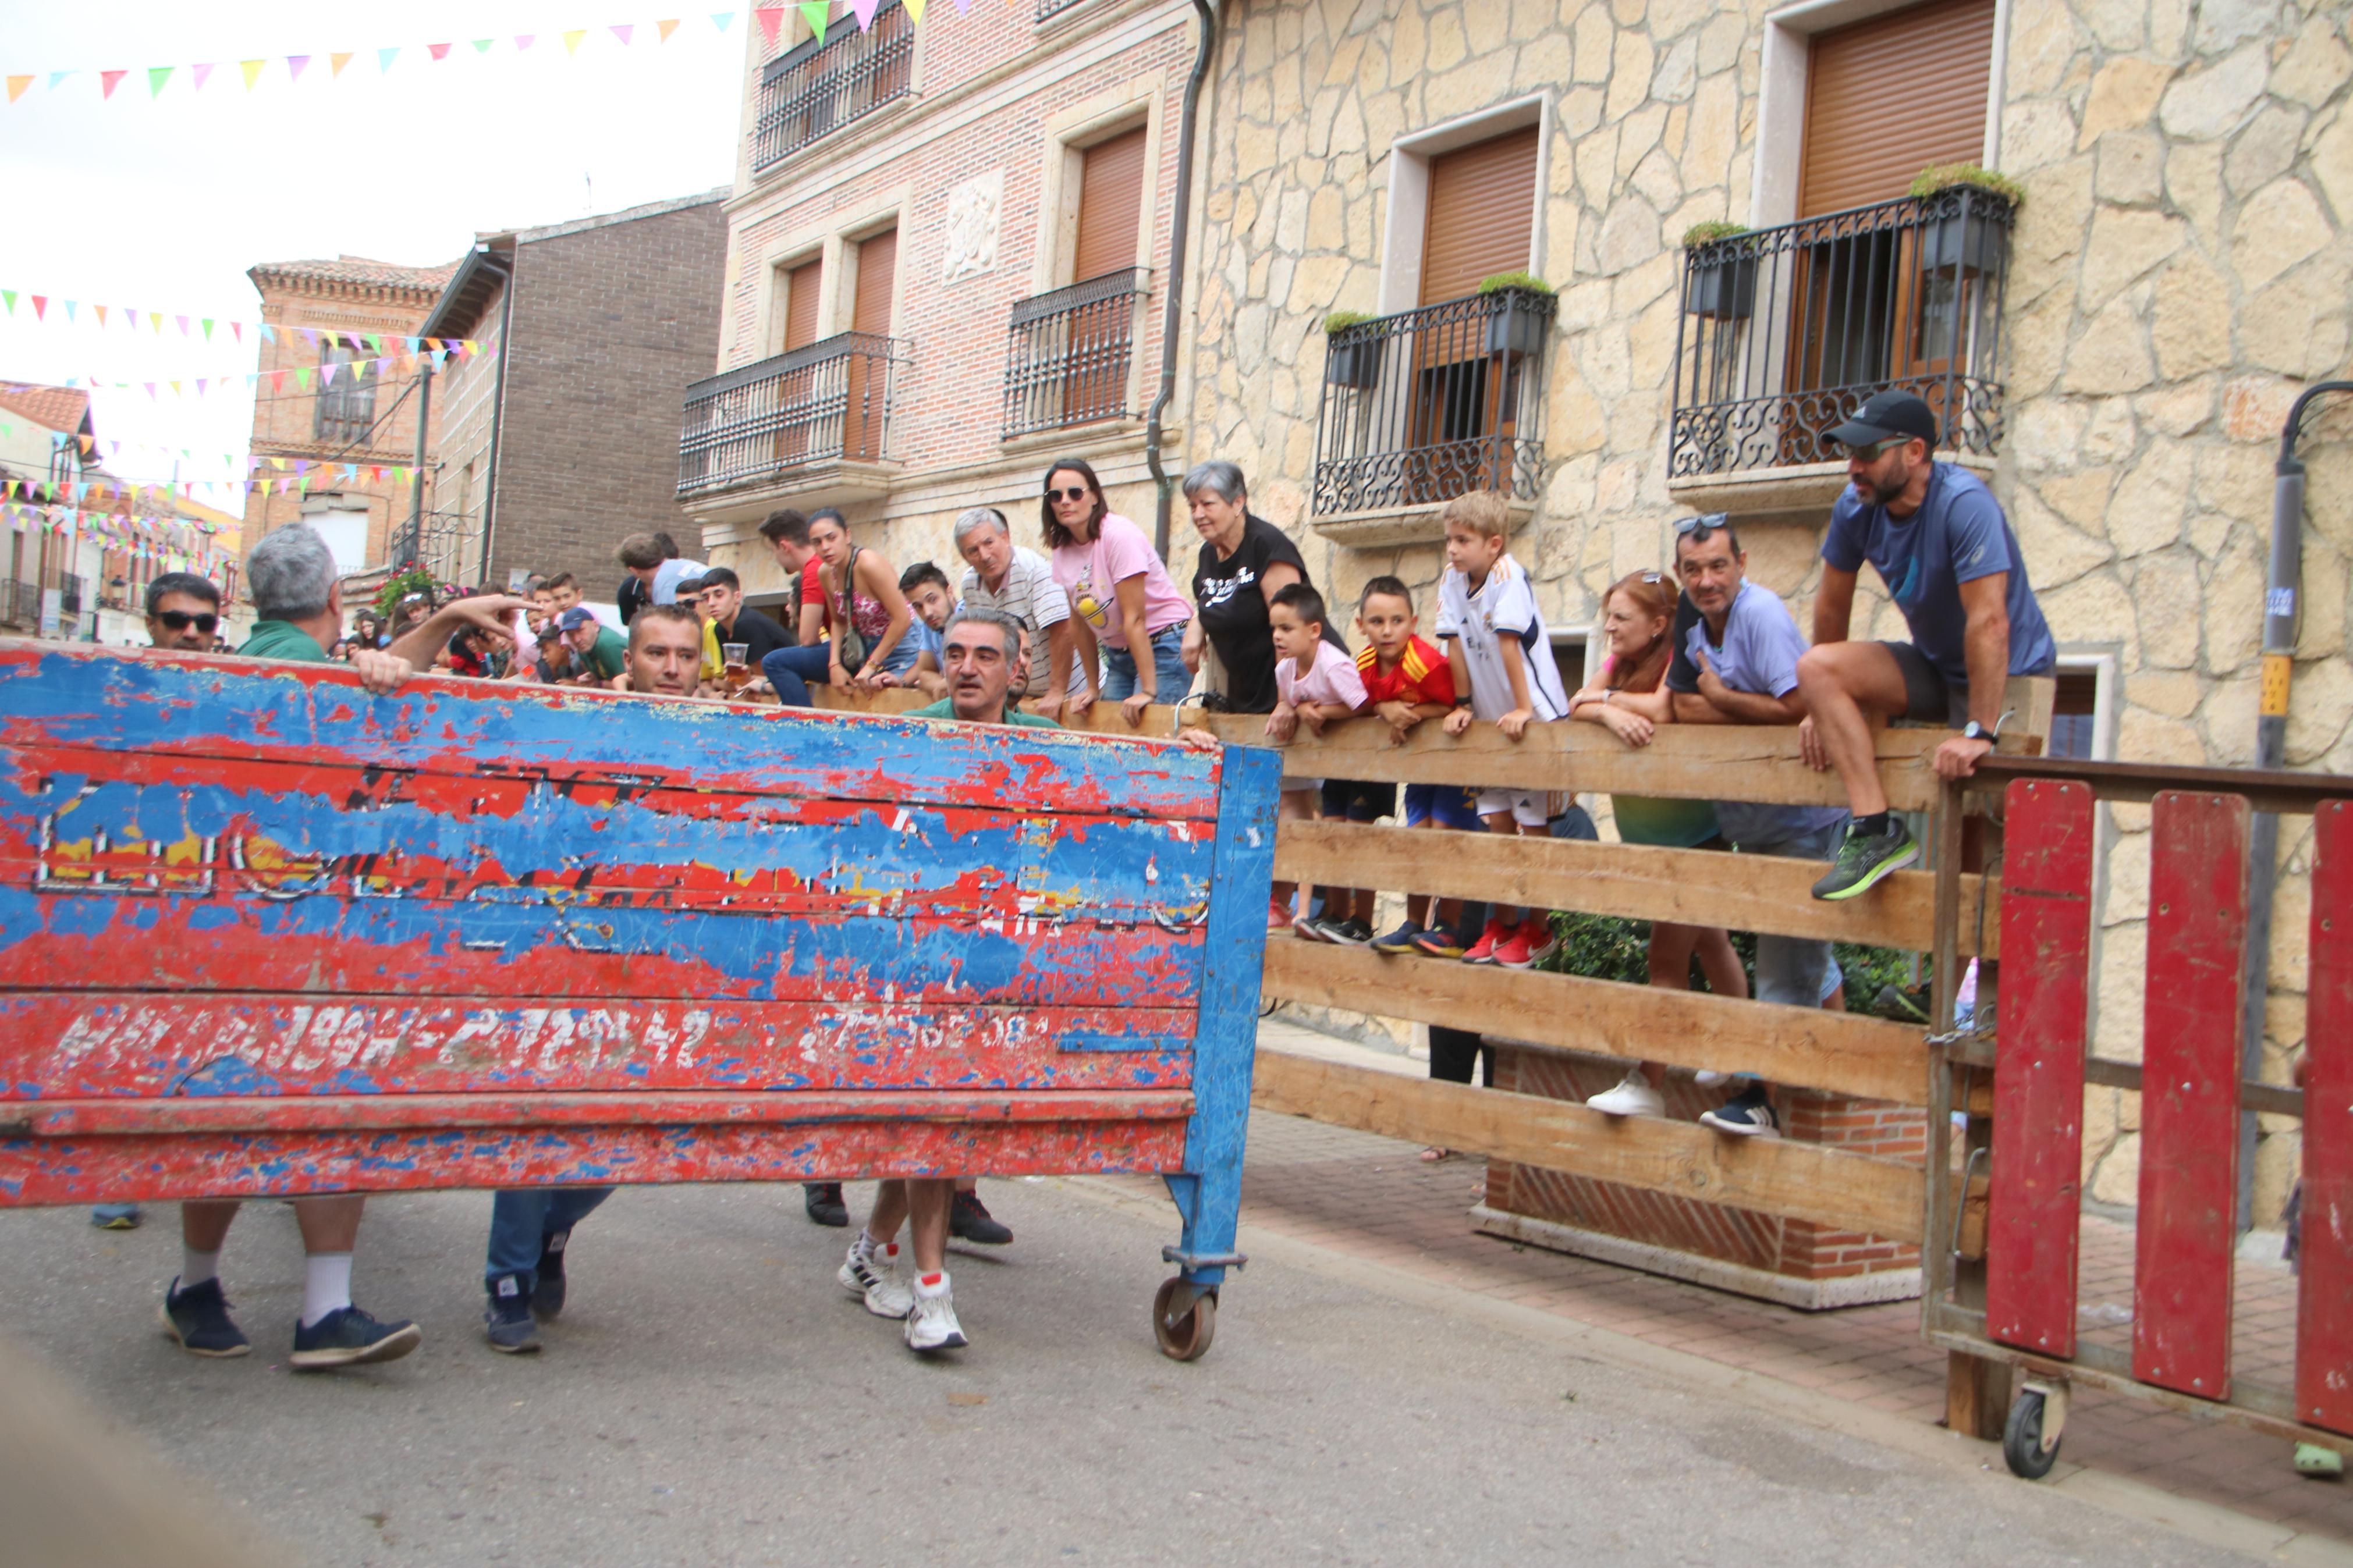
818,87
70,588
1050,7
1067,353
829,400
1421,406
20,602
1784,330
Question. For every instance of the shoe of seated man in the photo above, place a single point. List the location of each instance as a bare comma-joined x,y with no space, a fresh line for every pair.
1865,859
197,1318
1530,944
507,1322
1402,939
969,1220
1748,1114
115,1216
874,1278
1635,1097
1349,933
1494,936
1440,941
823,1201
349,1336
932,1324
1311,927
547,1294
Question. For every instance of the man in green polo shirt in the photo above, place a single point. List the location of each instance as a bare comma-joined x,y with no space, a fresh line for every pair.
980,679
597,649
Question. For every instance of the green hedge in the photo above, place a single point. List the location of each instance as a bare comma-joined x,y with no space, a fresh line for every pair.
1604,947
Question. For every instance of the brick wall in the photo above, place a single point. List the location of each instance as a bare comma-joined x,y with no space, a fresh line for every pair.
611,323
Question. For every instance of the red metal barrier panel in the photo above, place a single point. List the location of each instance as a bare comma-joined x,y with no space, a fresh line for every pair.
2038,1085
2324,1308
2190,1093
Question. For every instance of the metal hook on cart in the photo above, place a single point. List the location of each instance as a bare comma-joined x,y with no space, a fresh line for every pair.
1961,1209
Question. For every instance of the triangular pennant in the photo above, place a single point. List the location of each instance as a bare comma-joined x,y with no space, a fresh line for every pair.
109,81
9,295
438,51
236,330
40,306
373,340
294,64
335,63
310,335
252,69
915,11
184,324
383,58
665,28
723,20
202,73
69,310
17,84
102,314
572,39
327,373
622,30
771,17
155,323
269,332
150,389
482,46
207,323
56,76
524,40
302,377
156,77
865,11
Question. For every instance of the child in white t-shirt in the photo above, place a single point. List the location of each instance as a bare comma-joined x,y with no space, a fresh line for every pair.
1314,683
1504,673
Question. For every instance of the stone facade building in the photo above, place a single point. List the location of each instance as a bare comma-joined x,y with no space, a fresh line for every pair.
561,439
2116,355
946,263
310,411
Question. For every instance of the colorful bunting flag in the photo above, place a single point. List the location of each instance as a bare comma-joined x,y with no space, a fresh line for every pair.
524,40
383,58
202,73
622,30
109,80
252,69
17,84
865,11
294,64
665,28
482,46
335,63
438,51
771,17
156,77
572,39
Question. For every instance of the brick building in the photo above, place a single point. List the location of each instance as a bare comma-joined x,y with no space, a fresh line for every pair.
946,263
313,413
562,440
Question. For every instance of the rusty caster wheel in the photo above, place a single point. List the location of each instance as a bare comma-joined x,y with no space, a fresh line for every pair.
1185,1335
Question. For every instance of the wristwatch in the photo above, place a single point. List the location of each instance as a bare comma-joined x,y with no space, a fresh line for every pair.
1973,731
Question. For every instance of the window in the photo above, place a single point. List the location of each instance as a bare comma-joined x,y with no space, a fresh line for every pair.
876,279
816,88
346,410
1070,351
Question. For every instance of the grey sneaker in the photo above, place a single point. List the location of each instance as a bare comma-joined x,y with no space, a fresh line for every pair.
1864,858
1746,1115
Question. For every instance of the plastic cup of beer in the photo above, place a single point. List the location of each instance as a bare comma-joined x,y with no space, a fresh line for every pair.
737,657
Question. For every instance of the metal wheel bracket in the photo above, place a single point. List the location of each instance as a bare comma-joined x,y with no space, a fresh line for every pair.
2055,1407
1181,1301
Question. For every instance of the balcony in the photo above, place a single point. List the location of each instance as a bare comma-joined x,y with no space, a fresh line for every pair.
1421,406
20,604
816,89
69,591
1785,329
1068,354
818,417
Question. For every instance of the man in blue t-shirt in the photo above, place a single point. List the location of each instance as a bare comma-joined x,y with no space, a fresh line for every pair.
1940,543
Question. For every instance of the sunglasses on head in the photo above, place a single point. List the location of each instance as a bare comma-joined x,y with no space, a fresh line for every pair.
1075,493
180,620
1707,522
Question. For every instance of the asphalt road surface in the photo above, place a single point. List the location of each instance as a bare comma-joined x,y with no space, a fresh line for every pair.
711,1398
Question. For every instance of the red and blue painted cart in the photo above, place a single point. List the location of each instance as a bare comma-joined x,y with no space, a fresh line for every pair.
263,934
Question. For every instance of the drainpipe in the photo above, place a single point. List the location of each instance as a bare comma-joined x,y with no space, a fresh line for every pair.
1173,321
2271,750
507,274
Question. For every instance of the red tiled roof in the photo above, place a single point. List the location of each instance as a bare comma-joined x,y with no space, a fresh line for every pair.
358,269
57,407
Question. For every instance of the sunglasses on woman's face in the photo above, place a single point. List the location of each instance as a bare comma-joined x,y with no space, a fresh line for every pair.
180,621
1075,493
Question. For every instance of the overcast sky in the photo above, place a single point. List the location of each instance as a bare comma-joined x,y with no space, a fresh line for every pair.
162,203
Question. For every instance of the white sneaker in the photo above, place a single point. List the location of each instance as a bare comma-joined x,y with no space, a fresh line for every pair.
875,1280
1635,1097
932,1325
1708,1078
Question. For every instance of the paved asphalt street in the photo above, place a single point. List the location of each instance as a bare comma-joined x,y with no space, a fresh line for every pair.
711,1398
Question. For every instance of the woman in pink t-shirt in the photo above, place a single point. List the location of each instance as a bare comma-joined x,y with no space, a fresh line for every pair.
1121,597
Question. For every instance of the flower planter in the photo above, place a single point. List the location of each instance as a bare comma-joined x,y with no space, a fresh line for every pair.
1722,289
1968,240
1516,331
1357,364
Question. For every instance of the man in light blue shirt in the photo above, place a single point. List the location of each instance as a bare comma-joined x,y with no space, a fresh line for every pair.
1952,565
1738,665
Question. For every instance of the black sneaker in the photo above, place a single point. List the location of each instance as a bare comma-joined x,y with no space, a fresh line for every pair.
507,1322
1396,941
1864,858
1746,1115
349,1336
547,1296
969,1220
198,1318
1350,933
824,1203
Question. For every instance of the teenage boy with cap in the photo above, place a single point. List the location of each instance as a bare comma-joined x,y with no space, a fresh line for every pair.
1950,560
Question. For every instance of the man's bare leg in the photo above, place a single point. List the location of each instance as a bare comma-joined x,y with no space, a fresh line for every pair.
1845,686
870,1272
932,1324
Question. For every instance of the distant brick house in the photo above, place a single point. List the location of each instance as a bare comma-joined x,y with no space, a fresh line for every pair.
321,313
561,438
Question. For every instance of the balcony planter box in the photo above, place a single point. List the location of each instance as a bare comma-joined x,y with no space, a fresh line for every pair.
1357,364
1970,241
1724,289
1515,329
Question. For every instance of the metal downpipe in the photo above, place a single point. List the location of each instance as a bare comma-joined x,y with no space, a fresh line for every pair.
1173,321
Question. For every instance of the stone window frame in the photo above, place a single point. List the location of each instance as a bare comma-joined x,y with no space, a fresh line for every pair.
1065,137
1408,192
1786,54
830,244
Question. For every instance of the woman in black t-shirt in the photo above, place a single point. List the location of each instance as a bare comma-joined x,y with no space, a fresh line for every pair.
1244,559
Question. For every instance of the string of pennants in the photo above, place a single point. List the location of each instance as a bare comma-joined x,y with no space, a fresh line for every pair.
116,531
302,376
291,475
190,324
820,14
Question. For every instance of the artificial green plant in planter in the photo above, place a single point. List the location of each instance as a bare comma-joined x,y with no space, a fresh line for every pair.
1520,327
1965,211
1720,279
1356,364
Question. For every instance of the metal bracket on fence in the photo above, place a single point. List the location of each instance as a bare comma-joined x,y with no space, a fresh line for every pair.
1978,1027
1961,1209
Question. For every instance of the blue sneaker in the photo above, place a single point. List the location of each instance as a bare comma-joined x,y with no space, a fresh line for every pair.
115,1216
507,1322
1748,1114
547,1295
349,1336
197,1318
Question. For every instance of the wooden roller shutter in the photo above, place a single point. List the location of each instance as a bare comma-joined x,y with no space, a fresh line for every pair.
1479,215
800,305
1888,97
878,268
1111,206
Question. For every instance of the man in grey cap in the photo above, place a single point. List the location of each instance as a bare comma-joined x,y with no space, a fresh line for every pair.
1951,562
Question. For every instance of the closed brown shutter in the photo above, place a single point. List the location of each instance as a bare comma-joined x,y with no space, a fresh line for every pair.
1111,205
800,305
1888,97
878,265
1482,202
